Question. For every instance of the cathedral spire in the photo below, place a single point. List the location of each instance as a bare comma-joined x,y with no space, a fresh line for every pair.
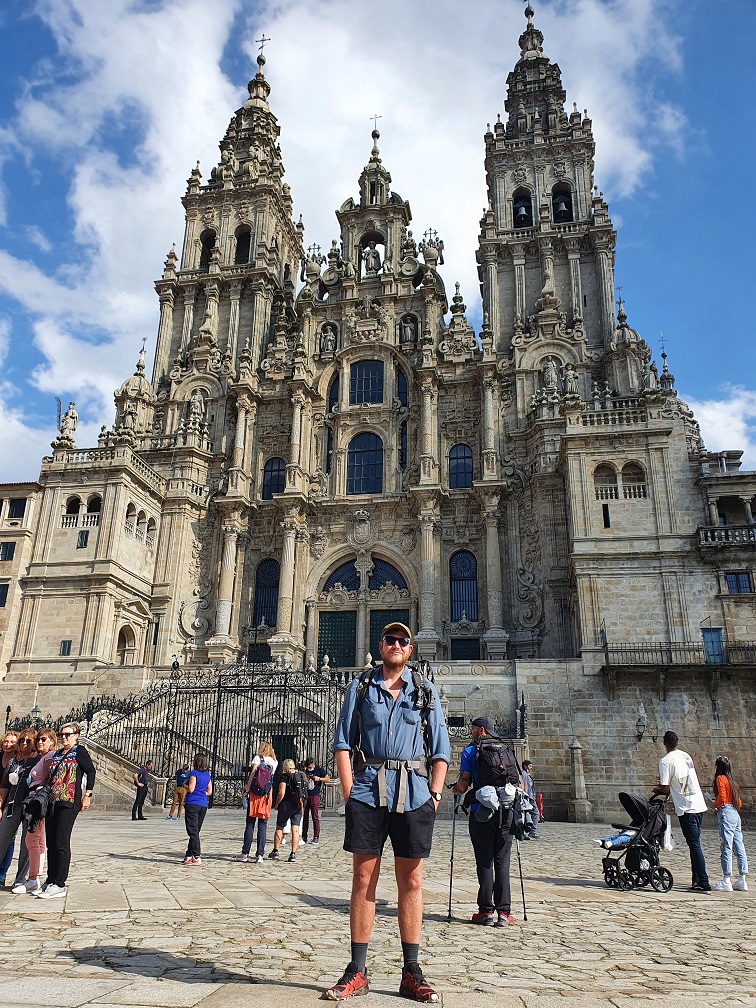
375,181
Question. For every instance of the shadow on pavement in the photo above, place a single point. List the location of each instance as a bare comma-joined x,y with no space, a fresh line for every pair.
154,963
581,883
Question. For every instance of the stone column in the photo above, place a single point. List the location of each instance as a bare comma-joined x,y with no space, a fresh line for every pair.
165,330
489,451
576,286
240,433
518,259
186,332
713,513
547,264
305,457
603,256
494,314
233,321
296,429
311,609
286,583
427,638
427,461
496,637
747,509
364,567
226,584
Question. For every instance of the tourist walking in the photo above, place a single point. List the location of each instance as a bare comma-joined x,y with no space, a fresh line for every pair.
316,778
727,802
392,721
142,784
13,790
289,803
68,767
34,838
259,795
528,786
678,778
199,787
8,748
179,791
490,830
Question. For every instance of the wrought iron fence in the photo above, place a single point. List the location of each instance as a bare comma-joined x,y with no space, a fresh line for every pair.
659,653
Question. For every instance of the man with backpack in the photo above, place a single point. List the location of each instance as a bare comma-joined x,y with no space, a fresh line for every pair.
392,726
488,763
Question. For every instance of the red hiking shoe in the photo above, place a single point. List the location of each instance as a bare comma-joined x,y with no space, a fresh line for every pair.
413,986
353,982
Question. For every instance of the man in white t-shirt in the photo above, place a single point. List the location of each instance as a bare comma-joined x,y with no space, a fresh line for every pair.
677,777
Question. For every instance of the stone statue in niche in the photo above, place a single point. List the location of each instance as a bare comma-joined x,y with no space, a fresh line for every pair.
372,259
196,406
328,338
408,329
550,374
570,381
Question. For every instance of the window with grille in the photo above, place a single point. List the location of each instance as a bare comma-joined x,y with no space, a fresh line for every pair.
365,465
274,478
82,539
346,575
605,483
65,648
460,467
739,583
463,584
366,382
7,549
266,593
401,387
383,572
465,649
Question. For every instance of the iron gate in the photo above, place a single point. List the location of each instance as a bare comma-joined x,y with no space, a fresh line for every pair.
225,714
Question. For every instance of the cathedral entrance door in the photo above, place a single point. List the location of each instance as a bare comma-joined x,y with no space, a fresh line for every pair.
337,638
378,620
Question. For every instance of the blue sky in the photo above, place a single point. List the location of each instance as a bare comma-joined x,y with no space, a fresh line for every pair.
105,107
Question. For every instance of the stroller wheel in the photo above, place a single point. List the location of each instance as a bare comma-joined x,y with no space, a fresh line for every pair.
624,881
610,877
661,879
643,878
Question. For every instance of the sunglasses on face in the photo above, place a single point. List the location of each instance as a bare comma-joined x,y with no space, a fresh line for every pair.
67,734
25,741
401,641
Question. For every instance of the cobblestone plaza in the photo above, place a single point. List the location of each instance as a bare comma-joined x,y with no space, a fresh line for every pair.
137,928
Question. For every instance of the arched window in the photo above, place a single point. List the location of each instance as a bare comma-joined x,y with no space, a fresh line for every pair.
561,202
243,244
207,241
366,382
265,607
605,482
333,394
94,504
522,208
346,575
274,478
73,504
633,481
130,525
460,467
463,586
125,646
141,526
383,573
401,387
149,539
365,465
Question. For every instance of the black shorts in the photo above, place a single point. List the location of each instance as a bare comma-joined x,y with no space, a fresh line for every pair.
288,811
367,828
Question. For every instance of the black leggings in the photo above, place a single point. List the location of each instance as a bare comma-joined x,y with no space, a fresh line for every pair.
58,828
194,816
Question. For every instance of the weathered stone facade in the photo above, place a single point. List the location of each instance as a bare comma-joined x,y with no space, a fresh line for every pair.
535,499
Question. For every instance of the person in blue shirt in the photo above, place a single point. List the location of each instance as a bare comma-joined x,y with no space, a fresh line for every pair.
389,795
490,836
199,787
179,791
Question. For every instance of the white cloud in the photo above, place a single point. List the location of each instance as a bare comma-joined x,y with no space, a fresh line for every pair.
37,237
5,331
729,423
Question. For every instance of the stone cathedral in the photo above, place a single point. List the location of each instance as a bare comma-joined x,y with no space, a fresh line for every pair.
326,444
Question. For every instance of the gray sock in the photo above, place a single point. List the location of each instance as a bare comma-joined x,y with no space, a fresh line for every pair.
359,956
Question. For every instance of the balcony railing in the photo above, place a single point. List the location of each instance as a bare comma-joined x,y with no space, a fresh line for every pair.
660,653
90,520
69,521
727,535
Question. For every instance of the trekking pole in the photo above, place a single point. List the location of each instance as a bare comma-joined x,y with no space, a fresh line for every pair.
522,884
457,800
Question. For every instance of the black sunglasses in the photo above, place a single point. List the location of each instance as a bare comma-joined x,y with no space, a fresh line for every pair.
25,741
401,641
68,734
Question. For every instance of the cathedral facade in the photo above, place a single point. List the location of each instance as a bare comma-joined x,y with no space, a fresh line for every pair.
326,444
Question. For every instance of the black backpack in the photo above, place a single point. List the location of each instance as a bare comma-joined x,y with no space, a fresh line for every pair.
495,763
298,786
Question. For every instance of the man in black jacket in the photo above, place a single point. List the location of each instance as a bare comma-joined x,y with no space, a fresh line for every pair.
142,782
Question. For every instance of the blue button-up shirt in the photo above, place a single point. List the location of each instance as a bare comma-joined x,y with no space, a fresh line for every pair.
392,730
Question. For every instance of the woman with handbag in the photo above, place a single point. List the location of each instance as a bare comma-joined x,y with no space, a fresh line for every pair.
259,799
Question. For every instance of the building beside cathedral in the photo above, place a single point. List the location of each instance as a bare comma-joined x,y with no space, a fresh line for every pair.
326,444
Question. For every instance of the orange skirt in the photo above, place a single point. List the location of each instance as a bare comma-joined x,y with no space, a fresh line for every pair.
260,805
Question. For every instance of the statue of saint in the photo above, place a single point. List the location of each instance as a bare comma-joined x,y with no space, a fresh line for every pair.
571,382
371,259
328,338
550,375
196,406
69,422
408,329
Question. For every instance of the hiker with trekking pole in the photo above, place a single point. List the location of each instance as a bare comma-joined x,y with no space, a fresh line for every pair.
489,778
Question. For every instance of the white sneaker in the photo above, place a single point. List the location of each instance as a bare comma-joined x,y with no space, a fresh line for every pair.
724,885
259,859
30,886
52,891
740,884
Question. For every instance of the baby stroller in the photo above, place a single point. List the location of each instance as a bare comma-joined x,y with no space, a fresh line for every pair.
640,851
